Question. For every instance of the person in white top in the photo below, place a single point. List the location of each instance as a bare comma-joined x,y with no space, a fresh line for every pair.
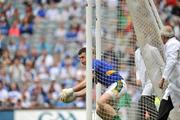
146,105
171,73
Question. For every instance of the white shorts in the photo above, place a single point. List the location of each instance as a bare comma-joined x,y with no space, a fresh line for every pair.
117,89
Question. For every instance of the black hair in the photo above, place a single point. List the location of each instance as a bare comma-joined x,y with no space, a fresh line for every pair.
82,50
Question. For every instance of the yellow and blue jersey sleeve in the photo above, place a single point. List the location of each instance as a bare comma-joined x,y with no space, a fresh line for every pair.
105,73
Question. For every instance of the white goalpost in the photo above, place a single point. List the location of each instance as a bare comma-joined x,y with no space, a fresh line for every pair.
89,60
98,45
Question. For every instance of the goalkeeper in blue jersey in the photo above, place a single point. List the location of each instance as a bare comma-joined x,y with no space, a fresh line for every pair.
108,77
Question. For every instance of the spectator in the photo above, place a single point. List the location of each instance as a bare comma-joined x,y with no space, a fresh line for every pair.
74,10
33,55
14,94
52,13
15,16
12,47
46,58
9,11
81,35
29,12
38,95
71,34
16,70
176,21
14,30
43,45
68,72
4,76
65,13
42,71
6,58
4,26
25,101
3,94
23,45
26,27
53,92
2,44
55,71
40,11
29,73
61,31
1,6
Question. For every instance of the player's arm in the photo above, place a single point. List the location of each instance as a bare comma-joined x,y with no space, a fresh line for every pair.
80,86
80,93
137,65
171,60
70,94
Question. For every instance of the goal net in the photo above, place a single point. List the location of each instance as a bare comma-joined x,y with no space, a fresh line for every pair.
126,25
147,25
120,27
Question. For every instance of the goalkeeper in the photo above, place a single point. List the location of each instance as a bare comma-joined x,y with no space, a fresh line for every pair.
107,76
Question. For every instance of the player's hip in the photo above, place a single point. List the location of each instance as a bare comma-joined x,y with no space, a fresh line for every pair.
117,88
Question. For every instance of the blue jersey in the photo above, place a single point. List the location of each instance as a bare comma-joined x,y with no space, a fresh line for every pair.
105,73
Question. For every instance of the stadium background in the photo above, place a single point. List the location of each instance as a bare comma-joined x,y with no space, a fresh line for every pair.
39,40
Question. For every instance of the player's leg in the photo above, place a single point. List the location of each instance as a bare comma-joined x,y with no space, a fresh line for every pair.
164,109
108,101
105,107
141,109
151,107
147,108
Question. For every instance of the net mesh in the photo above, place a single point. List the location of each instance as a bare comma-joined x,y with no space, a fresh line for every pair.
147,32
124,26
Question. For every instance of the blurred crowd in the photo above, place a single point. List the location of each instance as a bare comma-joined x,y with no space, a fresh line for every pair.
38,45
169,11
39,40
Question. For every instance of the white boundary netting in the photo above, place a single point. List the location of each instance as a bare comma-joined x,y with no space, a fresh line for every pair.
124,26
118,45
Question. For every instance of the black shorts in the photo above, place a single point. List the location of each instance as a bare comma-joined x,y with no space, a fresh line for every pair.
164,109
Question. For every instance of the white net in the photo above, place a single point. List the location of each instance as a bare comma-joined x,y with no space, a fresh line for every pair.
147,32
147,26
118,48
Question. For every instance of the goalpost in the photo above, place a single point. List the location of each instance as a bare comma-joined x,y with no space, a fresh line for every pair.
120,26
89,60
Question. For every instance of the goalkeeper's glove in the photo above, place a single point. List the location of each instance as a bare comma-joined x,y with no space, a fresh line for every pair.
67,95
68,99
67,92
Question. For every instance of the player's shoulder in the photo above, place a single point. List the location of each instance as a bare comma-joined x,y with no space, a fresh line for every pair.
137,51
98,61
173,42
101,63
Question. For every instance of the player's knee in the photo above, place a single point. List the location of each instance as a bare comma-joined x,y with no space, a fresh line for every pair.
98,111
100,103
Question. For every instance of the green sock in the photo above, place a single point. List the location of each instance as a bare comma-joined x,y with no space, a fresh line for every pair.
116,117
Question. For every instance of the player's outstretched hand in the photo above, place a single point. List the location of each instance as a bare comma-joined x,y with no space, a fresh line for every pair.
67,92
67,95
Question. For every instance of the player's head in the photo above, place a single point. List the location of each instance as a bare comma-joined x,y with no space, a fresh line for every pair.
166,33
82,55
